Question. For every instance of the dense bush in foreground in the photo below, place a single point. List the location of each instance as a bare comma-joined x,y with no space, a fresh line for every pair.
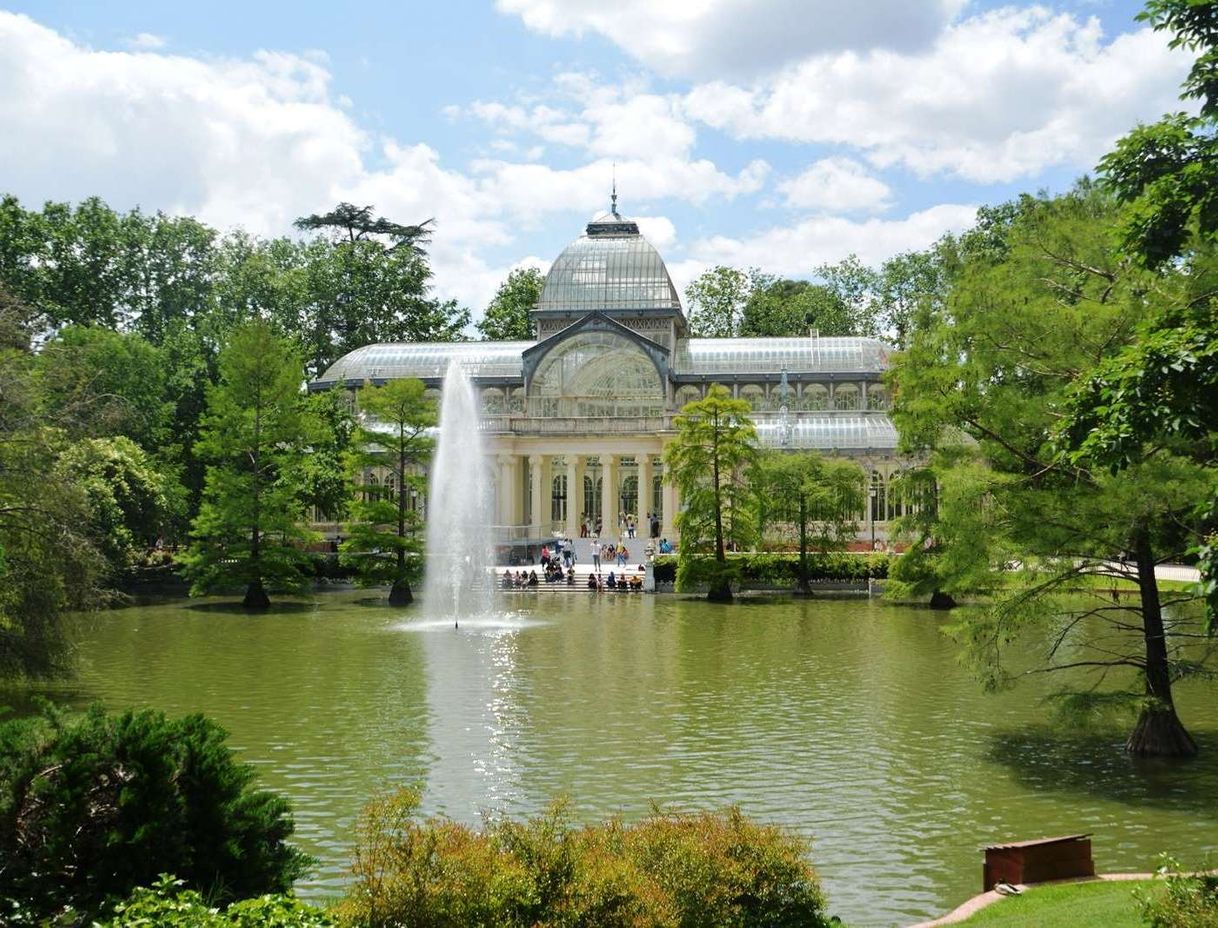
765,568
1190,900
93,806
716,870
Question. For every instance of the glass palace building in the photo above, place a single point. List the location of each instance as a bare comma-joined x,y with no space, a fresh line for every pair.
576,421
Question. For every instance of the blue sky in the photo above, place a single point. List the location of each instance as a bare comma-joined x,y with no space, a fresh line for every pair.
771,133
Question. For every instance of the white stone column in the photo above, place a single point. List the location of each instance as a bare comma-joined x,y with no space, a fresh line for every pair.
644,506
575,497
668,525
504,492
535,523
609,496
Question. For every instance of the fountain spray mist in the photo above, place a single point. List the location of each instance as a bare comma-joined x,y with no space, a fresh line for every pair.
457,584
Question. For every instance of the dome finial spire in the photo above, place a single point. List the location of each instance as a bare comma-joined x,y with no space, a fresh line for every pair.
613,197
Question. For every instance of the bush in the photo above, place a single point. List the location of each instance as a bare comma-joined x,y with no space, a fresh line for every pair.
92,807
765,568
705,869
167,904
1190,900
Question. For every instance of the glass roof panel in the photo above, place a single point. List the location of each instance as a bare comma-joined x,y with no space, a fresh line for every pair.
427,359
771,355
827,432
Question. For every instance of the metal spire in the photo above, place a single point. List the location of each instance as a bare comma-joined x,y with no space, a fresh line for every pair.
613,198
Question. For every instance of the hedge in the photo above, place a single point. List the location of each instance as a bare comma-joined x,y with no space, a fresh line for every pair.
766,568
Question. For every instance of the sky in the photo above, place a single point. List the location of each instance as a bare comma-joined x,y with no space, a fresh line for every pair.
779,134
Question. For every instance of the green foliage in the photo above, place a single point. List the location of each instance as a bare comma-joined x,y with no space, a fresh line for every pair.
257,427
701,869
1190,900
1038,300
128,499
167,903
790,308
709,462
716,301
507,315
775,568
48,562
98,383
94,806
383,542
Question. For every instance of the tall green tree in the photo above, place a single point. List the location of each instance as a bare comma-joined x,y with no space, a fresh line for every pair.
507,315
817,495
383,538
48,562
250,527
982,388
716,299
709,461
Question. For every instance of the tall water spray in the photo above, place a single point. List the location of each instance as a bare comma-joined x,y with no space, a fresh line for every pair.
456,585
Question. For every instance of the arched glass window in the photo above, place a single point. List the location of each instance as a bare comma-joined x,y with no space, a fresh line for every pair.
596,374
754,394
558,498
846,396
814,396
592,497
629,502
371,488
877,396
687,394
391,487
516,402
492,402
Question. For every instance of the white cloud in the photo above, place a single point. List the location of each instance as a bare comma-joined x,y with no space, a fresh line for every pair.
999,96
147,41
836,185
796,251
698,38
658,230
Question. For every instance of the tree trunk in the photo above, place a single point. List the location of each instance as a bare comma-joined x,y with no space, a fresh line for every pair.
399,593
255,596
1158,732
804,586
941,600
720,592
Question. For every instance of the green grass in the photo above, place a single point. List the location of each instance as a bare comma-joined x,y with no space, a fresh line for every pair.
1078,905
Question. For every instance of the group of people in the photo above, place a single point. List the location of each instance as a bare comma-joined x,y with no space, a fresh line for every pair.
633,583
518,580
552,573
609,552
561,554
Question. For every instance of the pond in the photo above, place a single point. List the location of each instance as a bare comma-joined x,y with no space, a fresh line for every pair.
849,721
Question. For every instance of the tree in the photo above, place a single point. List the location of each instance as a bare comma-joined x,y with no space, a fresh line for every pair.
249,529
716,300
129,500
103,383
1024,322
818,495
708,461
357,224
384,544
48,563
791,308
507,317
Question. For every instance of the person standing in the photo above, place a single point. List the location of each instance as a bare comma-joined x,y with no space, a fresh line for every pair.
596,554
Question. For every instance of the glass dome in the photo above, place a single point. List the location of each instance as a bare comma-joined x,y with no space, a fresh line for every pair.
611,267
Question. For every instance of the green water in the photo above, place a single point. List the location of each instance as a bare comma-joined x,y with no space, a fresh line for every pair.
847,720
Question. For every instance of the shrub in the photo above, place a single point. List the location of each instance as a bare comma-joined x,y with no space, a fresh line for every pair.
775,568
1190,900
705,869
167,904
92,807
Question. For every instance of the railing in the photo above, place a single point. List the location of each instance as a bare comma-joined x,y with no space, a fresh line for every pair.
526,425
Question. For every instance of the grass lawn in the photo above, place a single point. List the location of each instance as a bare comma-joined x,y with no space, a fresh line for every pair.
1078,905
